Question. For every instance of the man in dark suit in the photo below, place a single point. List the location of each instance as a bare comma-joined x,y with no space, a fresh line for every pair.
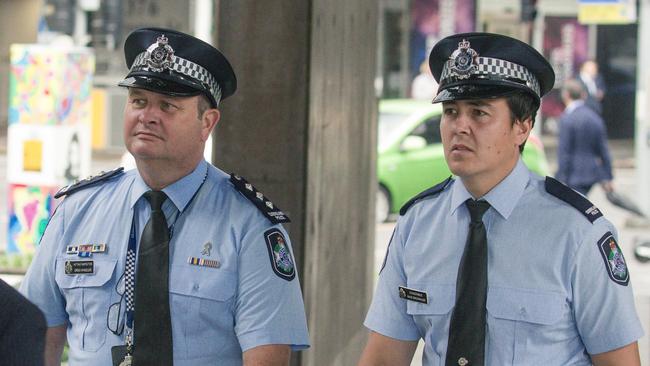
22,329
583,155
593,84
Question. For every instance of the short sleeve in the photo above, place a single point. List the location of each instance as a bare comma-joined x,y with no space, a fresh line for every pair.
387,314
269,308
602,292
39,285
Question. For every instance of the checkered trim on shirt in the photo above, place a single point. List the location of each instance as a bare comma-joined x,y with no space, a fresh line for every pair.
184,67
491,68
130,279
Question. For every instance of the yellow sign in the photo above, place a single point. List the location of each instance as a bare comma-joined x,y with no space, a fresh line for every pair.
32,155
619,12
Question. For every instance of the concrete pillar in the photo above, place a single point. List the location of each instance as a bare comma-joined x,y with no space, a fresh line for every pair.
302,129
643,108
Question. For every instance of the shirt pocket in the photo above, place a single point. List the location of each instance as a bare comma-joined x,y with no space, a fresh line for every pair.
432,318
524,323
87,297
202,301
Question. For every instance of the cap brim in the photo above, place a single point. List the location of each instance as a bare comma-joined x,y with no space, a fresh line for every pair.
474,91
159,85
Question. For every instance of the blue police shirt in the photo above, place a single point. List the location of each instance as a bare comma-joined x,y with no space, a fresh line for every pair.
218,311
550,299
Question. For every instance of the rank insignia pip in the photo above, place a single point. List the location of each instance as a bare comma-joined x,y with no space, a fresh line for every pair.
271,211
614,260
88,182
279,254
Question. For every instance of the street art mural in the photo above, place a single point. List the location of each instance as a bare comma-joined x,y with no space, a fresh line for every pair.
48,144
50,86
30,208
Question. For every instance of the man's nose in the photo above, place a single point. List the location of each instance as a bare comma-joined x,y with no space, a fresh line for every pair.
149,114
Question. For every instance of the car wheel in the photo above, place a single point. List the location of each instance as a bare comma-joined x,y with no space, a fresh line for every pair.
382,205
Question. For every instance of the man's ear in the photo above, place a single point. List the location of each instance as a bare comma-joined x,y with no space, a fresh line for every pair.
209,120
522,130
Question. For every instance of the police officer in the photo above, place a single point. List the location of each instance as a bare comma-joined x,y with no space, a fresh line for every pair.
499,266
175,262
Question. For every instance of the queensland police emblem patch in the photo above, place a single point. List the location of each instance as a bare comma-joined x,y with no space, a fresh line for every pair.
614,260
279,253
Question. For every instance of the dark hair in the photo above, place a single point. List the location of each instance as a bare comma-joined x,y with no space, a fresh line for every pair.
574,89
522,106
202,105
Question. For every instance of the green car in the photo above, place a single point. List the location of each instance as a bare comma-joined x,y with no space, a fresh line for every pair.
410,157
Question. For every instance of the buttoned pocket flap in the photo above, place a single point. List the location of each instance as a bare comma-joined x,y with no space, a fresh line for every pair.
539,307
440,299
203,282
73,273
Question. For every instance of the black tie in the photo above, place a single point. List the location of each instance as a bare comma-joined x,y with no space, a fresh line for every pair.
152,320
467,328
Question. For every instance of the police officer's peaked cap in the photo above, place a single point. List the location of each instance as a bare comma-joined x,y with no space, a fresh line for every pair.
174,63
486,65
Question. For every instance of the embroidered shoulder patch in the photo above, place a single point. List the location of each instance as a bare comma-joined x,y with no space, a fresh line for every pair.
575,199
429,192
614,260
271,211
87,182
279,254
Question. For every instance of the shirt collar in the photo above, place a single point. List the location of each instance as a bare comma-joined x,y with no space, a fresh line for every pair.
503,197
573,105
179,192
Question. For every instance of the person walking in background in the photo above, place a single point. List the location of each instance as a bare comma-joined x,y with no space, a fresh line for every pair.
424,86
174,262
583,155
22,329
593,84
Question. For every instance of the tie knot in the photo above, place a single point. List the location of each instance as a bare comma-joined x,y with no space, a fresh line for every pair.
477,209
156,199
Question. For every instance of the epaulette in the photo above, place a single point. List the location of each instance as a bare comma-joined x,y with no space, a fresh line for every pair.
87,182
271,211
429,192
575,199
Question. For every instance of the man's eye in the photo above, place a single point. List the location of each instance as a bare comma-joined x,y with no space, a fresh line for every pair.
167,106
138,102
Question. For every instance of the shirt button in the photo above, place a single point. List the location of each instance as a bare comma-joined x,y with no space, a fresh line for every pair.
462,361
522,312
195,287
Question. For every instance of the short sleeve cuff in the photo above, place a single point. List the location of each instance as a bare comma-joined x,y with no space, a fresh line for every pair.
613,340
54,320
261,338
391,330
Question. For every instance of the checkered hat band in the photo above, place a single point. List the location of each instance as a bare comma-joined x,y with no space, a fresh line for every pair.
184,67
494,67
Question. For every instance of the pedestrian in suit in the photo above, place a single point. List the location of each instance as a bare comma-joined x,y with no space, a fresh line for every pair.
583,155
22,329
593,84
